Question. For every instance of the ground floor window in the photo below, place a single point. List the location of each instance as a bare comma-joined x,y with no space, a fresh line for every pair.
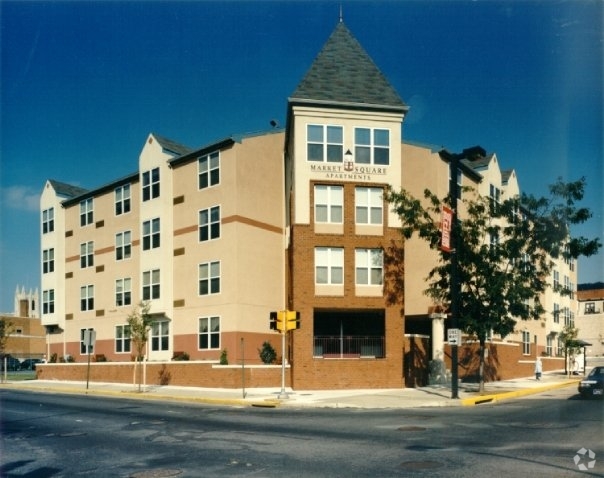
549,346
526,342
160,335
209,333
122,339
349,334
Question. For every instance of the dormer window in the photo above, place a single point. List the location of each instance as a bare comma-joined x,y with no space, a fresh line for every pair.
325,143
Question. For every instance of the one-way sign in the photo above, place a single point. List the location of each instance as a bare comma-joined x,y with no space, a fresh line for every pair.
454,336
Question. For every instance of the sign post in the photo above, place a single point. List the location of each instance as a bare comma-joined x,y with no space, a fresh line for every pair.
89,339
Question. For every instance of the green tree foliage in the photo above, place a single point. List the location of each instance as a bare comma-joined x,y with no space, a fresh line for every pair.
6,328
505,251
139,322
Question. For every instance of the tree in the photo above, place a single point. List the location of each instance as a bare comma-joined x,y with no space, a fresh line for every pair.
139,322
6,328
569,339
505,252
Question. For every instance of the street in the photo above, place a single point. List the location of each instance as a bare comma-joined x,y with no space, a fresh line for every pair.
46,435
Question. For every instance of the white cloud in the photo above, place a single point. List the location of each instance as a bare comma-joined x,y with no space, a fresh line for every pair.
22,198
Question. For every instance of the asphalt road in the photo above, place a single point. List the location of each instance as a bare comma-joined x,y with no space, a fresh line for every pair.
47,435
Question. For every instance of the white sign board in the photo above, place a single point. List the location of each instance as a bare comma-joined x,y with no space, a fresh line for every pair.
454,336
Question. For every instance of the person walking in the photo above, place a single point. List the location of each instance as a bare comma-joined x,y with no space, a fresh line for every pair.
538,368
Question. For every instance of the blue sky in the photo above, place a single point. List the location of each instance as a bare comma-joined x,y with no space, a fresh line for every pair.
83,83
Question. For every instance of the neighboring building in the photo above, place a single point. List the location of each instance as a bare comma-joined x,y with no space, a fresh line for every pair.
26,338
218,237
590,320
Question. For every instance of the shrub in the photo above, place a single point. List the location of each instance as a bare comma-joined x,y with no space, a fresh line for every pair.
179,356
224,360
267,353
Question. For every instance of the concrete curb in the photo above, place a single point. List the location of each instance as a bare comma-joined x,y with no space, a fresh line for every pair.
498,397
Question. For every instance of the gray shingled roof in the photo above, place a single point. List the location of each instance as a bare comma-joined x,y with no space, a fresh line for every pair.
171,146
66,190
344,74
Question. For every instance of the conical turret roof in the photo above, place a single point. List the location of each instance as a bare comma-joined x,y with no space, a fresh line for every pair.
343,74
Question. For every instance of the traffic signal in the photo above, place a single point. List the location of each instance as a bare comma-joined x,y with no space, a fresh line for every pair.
273,320
277,320
293,320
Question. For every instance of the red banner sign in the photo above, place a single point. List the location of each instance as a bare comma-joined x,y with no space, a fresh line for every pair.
446,225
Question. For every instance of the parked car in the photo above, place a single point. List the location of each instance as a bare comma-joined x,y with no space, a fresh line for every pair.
593,384
30,364
12,363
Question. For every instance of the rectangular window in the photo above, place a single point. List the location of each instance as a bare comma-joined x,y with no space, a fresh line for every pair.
48,261
48,301
151,234
209,224
372,146
495,193
83,349
151,284
123,292
122,339
209,278
86,254
556,313
160,335
48,220
549,345
369,266
329,204
209,333
87,297
123,245
369,205
526,342
151,184
329,265
86,212
590,308
556,280
566,312
325,143
459,179
122,200
209,170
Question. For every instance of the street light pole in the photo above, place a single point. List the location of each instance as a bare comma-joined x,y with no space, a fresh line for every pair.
455,285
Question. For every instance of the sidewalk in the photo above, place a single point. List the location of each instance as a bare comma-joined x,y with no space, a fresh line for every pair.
430,396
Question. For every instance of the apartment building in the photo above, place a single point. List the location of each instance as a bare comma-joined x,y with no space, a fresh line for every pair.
425,168
196,233
215,238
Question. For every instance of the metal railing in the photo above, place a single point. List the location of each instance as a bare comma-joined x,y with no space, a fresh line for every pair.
348,346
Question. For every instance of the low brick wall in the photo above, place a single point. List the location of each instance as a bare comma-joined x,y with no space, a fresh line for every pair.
504,361
188,374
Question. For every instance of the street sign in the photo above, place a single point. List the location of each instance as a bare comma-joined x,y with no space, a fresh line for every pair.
454,336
